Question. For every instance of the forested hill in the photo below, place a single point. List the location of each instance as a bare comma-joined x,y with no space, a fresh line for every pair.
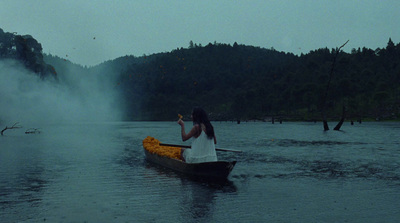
245,82
235,81
228,81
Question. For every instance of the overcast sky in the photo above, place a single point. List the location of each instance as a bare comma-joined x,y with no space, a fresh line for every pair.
90,32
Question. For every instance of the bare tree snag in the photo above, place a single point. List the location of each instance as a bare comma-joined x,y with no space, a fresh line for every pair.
15,126
324,103
339,125
324,121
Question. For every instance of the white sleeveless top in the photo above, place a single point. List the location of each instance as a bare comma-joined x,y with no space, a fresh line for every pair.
203,150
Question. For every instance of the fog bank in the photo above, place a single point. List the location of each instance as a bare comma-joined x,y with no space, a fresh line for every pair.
76,97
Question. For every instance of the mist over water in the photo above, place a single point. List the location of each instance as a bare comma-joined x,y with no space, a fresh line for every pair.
75,97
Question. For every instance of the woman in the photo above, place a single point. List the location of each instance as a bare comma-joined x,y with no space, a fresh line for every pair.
203,145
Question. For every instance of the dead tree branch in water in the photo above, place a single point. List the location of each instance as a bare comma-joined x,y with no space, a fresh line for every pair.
15,126
324,115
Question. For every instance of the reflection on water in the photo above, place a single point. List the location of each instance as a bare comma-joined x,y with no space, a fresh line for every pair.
198,202
197,196
97,173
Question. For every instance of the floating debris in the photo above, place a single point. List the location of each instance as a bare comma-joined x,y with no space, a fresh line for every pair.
32,131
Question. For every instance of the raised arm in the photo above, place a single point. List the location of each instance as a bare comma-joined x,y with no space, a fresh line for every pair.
193,132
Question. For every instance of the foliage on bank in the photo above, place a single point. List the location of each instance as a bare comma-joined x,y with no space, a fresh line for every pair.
27,50
246,82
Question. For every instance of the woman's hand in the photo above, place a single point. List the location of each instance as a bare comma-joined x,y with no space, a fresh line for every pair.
180,122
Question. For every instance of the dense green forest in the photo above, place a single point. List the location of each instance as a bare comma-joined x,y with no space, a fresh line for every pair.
238,82
246,82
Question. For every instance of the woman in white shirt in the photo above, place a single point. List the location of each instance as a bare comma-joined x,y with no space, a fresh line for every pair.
203,145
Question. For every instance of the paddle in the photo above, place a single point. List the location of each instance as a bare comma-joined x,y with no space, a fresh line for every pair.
184,146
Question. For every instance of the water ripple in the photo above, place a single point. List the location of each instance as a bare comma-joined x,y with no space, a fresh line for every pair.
285,172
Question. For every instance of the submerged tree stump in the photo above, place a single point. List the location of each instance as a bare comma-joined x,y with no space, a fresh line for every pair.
339,125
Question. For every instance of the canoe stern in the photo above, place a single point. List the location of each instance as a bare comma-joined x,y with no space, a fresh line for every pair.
215,170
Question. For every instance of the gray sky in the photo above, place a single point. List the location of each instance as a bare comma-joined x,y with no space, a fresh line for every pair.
90,32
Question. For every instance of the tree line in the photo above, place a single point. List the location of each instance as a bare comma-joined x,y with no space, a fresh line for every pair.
238,82
245,82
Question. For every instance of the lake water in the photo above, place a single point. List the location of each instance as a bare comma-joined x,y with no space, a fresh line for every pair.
290,172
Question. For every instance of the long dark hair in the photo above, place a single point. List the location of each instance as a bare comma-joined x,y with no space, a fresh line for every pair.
200,117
